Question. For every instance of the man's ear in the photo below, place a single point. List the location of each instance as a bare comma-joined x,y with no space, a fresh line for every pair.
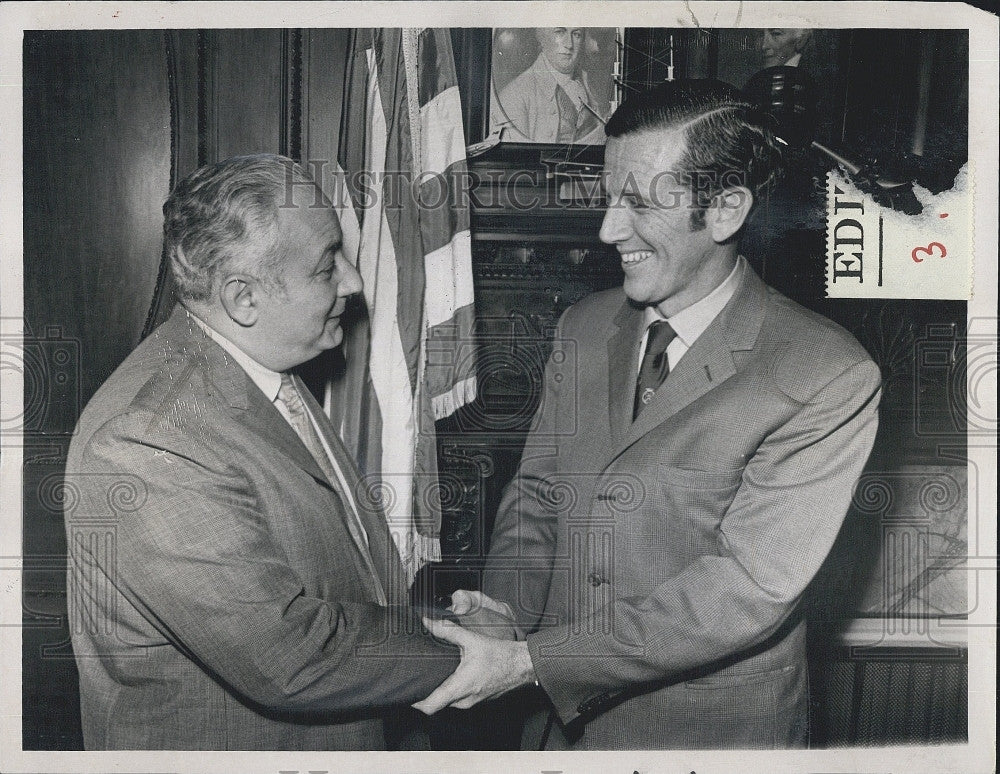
728,213
239,295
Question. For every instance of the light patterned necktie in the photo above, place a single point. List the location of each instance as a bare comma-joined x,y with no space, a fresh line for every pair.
302,422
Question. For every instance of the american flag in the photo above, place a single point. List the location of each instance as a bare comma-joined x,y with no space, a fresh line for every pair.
403,200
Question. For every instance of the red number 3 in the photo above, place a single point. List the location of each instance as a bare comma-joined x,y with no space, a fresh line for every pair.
929,250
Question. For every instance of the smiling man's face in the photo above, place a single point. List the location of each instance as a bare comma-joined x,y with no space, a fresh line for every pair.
669,261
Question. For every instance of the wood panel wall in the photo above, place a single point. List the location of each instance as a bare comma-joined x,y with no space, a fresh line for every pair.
96,171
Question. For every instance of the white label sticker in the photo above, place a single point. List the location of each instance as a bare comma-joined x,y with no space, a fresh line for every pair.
874,251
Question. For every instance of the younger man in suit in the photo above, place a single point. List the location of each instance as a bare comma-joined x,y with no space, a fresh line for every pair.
689,466
227,585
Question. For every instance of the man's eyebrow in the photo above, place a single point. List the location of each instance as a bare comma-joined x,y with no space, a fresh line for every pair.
330,251
633,197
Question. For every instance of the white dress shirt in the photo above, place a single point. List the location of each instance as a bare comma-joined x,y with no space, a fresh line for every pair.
691,322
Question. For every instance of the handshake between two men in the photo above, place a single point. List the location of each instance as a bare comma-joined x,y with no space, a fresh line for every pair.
495,658
710,430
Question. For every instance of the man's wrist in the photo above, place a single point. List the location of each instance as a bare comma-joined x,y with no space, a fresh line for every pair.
526,667
519,632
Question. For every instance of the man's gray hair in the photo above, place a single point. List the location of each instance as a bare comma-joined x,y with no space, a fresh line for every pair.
222,218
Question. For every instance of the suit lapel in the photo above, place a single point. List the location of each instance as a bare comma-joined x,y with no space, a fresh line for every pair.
263,418
707,364
623,365
704,367
226,381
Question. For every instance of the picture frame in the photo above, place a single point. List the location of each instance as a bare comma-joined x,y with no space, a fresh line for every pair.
553,85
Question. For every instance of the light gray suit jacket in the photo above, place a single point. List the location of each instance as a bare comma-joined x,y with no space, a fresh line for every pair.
217,599
660,562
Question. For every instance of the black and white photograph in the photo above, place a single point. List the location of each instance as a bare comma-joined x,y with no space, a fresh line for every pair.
417,387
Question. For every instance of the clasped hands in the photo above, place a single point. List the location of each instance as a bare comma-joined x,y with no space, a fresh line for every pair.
493,662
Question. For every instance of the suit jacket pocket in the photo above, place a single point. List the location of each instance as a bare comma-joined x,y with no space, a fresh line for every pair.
704,480
680,518
736,680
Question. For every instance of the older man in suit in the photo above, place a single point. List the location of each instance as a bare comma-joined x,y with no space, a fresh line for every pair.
228,586
688,469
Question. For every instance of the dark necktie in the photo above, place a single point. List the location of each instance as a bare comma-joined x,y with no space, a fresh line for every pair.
655,366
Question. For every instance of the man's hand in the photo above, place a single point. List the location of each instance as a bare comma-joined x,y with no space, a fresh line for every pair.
483,615
488,668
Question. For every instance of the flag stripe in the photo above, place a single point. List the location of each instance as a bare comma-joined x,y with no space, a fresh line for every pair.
415,263
450,376
440,220
401,215
352,149
453,291
350,398
442,117
437,68
389,367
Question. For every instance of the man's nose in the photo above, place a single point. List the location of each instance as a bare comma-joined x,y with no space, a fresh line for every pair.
615,226
350,281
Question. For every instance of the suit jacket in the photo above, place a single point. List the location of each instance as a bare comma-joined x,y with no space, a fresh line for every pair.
660,562
217,599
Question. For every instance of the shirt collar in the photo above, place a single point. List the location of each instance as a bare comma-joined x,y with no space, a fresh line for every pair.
267,380
691,322
794,61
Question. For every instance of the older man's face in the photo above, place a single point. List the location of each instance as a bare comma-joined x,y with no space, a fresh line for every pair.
302,319
561,46
780,44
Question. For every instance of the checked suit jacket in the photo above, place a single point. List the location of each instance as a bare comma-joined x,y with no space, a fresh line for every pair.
658,563
217,599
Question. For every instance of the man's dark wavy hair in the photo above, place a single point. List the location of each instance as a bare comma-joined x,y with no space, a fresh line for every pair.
728,141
